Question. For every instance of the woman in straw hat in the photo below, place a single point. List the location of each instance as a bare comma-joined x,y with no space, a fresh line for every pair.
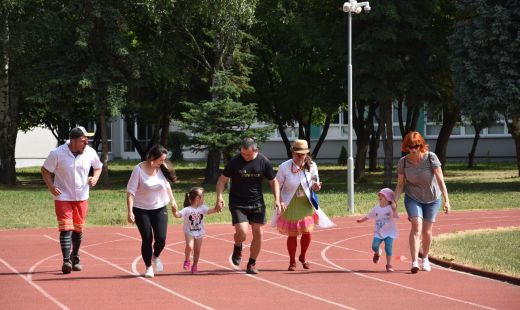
297,177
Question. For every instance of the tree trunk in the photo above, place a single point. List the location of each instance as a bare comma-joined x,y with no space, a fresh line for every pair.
450,117
285,140
514,128
363,128
212,167
165,130
387,136
130,123
104,148
471,154
374,147
323,135
8,112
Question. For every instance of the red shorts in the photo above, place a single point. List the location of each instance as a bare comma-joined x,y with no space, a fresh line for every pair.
71,215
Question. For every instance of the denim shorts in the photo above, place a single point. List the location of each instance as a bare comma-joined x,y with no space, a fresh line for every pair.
427,211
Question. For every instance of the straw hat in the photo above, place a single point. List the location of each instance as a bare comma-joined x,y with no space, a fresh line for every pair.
300,147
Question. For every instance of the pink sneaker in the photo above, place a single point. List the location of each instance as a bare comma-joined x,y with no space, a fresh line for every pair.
194,269
186,265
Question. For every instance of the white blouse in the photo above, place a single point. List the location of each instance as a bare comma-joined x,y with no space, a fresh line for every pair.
289,181
149,191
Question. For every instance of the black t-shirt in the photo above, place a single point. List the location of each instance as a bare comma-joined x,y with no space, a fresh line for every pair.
246,180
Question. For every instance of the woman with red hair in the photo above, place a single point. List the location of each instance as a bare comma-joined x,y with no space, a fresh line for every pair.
419,175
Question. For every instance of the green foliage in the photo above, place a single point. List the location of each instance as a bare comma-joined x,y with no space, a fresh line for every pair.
221,124
486,55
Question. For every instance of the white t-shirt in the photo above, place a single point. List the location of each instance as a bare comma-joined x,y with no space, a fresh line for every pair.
150,192
384,222
194,220
71,172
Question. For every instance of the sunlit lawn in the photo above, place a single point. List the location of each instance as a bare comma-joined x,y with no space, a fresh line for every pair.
490,186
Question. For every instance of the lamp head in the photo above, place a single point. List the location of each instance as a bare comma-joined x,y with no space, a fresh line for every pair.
347,7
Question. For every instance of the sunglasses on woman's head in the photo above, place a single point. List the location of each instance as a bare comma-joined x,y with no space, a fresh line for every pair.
411,147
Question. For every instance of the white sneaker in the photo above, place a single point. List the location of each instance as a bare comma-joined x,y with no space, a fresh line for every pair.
149,272
158,264
426,265
415,267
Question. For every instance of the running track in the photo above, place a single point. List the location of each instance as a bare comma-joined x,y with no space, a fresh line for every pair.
342,274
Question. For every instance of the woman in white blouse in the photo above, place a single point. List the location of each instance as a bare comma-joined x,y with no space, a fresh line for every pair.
297,177
148,193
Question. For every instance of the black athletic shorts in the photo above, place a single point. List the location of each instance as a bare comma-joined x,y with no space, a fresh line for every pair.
250,214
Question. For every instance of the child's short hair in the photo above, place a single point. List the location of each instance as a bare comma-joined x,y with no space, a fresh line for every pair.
193,193
387,193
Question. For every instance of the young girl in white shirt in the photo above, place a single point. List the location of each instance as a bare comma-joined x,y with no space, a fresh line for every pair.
193,216
385,228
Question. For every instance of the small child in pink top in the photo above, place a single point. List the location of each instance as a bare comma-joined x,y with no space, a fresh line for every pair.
385,228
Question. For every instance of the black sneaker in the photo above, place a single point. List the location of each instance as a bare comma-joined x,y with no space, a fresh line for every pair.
76,265
237,255
251,269
66,268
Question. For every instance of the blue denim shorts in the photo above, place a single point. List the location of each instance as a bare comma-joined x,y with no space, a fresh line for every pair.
426,211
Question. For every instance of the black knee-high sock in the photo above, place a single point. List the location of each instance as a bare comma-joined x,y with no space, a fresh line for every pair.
65,243
76,242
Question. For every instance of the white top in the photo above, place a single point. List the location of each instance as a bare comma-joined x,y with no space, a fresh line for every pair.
194,220
385,222
289,181
150,192
71,172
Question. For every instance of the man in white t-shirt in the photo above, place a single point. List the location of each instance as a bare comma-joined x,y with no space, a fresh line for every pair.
70,164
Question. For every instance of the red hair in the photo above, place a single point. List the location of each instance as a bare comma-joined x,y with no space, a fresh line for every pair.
414,138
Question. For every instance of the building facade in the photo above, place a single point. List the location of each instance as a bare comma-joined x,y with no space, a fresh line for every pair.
495,144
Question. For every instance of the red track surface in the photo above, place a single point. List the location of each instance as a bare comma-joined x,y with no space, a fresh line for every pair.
342,274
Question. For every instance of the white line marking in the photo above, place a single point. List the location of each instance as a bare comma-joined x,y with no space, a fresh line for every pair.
37,287
325,258
141,278
264,280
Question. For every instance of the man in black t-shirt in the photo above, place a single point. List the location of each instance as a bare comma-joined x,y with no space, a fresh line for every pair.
246,200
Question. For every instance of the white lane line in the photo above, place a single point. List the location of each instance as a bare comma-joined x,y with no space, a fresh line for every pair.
141,278
37,287
261,279
134,262
325,258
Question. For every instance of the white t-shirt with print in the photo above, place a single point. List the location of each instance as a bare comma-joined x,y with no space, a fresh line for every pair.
384,222
194,220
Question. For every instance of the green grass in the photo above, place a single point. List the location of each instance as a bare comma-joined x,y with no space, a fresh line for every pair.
490,250
489,186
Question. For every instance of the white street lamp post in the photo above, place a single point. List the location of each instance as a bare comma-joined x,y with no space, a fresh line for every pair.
351,7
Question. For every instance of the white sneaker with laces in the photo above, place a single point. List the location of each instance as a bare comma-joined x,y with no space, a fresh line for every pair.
149,272
158,264
426,265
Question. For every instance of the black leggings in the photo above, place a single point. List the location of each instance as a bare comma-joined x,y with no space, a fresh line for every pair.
152,224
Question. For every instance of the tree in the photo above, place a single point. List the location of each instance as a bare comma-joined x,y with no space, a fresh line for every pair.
486,52
300,69
8,99
218,44
220,125
17,49
160,73
391,52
